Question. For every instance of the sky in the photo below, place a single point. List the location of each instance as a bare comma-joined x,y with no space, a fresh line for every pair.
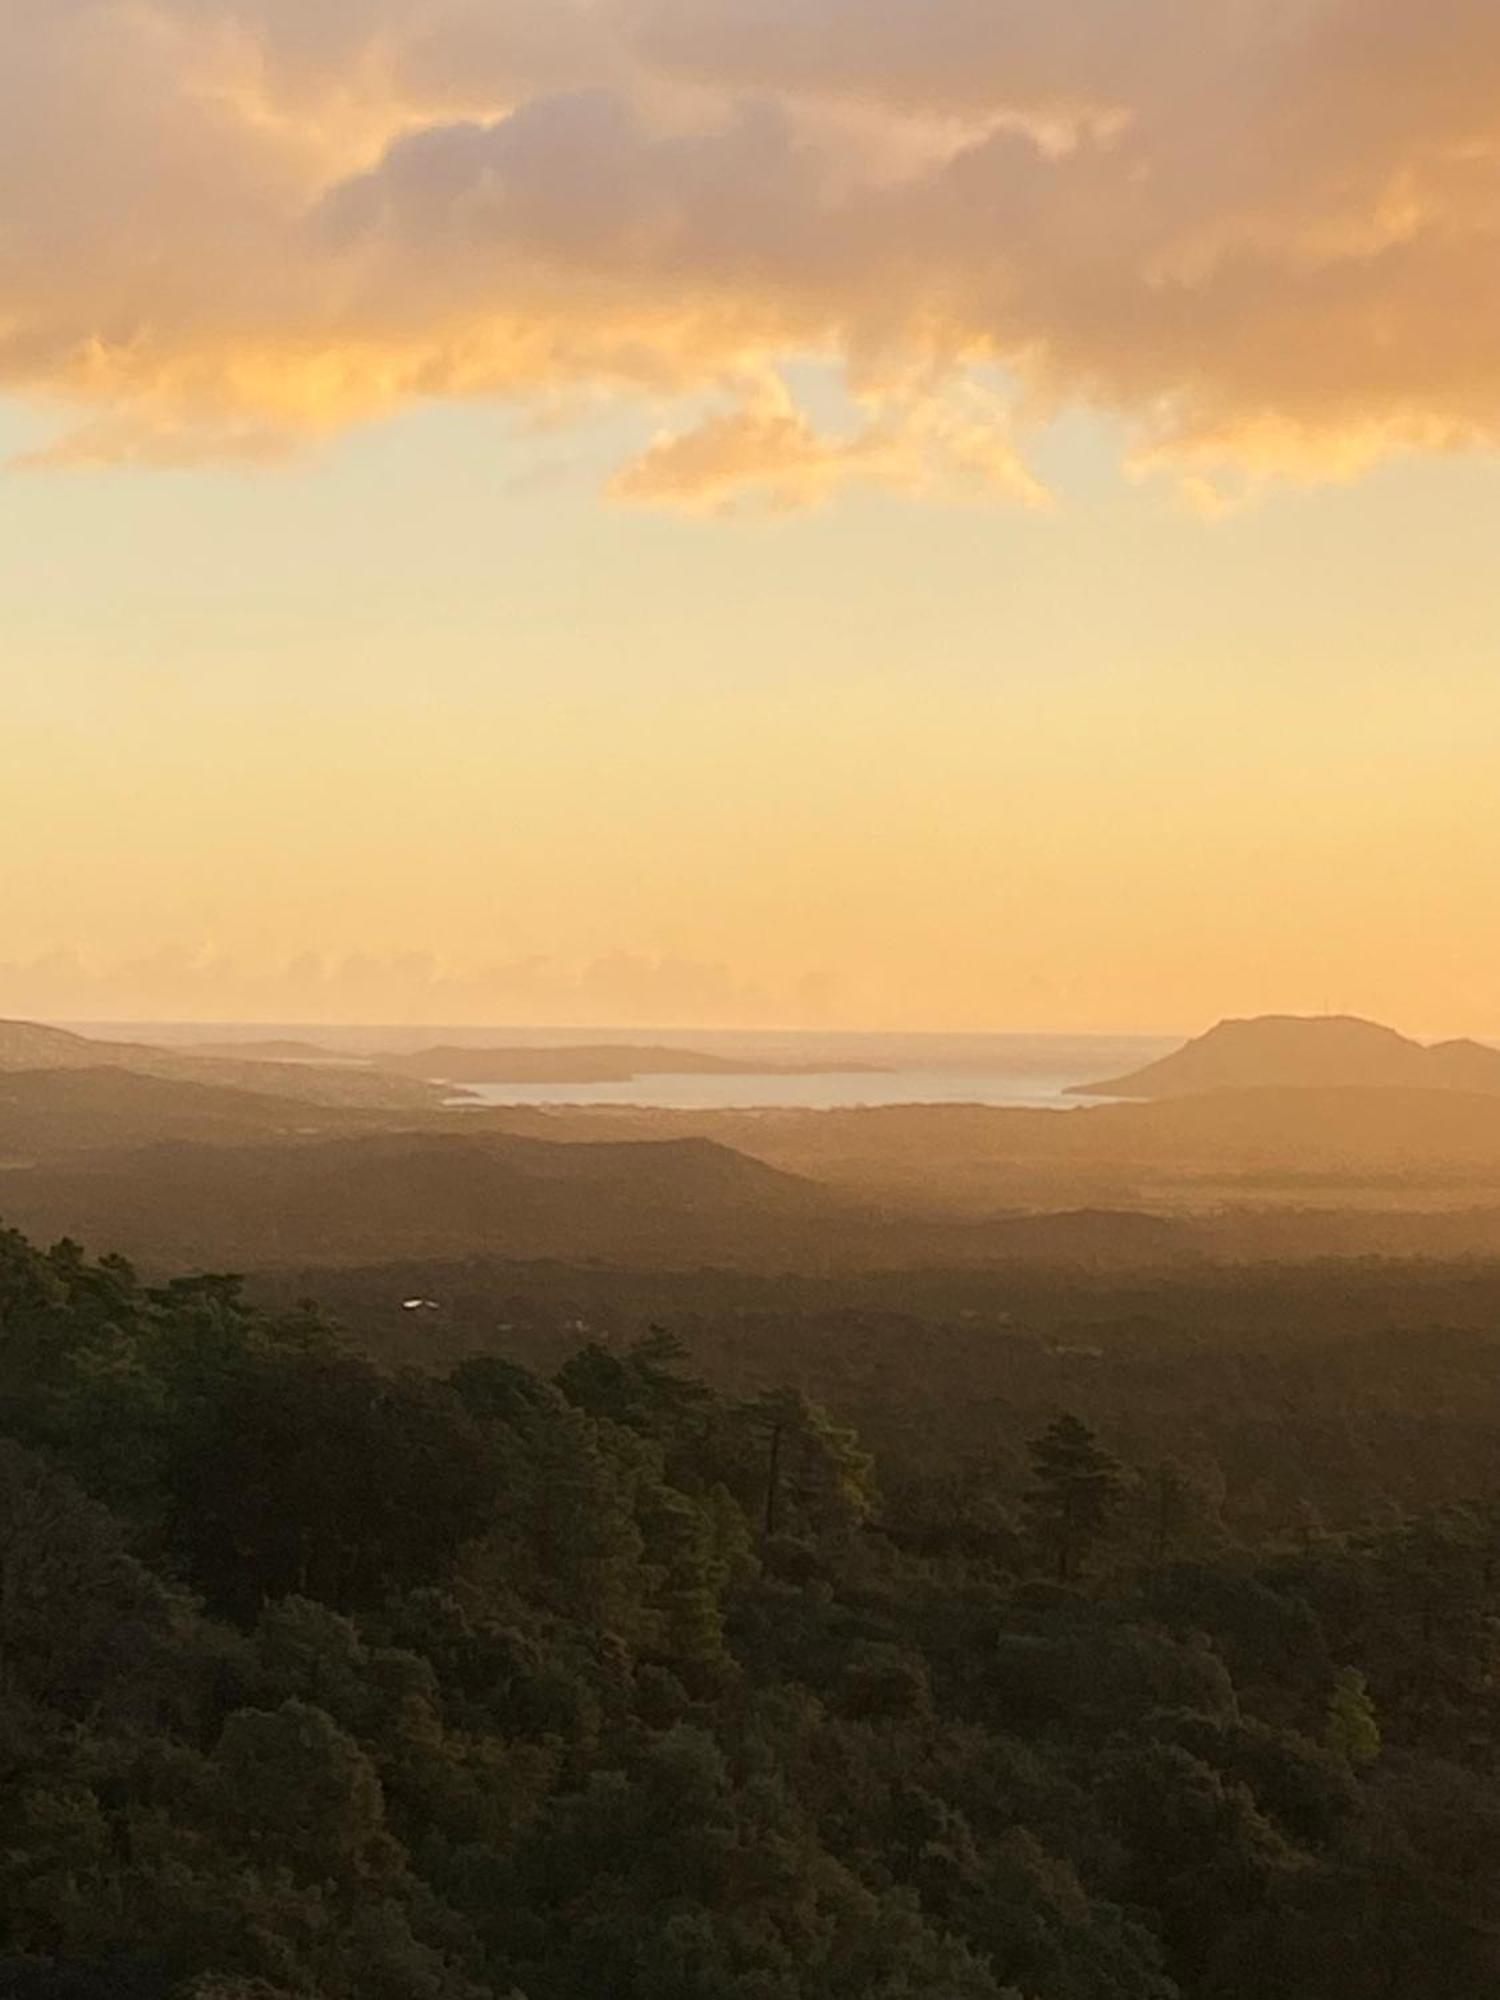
940,514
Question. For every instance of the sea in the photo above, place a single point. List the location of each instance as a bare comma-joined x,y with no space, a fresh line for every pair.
1019,1070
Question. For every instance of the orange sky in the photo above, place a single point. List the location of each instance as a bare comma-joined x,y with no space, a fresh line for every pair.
772,511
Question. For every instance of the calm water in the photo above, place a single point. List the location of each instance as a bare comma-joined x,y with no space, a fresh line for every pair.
914,1069
820,1091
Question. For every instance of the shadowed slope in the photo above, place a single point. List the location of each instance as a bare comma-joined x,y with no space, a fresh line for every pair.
45,1113
339,1200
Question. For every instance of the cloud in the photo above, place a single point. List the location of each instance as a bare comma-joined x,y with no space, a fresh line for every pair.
624,988
1262,233
764,454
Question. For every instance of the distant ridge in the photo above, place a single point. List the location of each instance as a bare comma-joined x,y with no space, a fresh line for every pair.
1286,1051
31,1045
269,1051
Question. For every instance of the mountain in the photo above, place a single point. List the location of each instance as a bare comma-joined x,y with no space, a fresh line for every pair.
1279,1052
28,1045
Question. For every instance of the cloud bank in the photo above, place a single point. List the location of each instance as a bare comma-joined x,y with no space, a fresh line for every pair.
1259,234
621,988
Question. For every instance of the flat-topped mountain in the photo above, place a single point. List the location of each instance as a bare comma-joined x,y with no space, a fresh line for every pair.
1282,1051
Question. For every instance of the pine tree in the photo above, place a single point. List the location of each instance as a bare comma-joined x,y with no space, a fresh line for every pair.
1074,1495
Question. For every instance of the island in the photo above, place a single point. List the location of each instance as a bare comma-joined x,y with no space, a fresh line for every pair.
602,1063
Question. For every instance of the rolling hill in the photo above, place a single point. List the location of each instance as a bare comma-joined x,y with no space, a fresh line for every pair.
29,1045
1335,1147
45,1114
342,1200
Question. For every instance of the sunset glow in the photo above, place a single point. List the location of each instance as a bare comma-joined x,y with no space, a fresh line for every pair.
764,512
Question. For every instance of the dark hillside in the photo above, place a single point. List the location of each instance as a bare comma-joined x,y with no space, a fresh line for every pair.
347,1200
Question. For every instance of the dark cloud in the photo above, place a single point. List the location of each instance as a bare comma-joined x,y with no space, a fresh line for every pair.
1262,233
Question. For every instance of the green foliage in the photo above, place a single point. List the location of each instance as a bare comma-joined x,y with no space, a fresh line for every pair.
1353,1730
815,1478
508,1688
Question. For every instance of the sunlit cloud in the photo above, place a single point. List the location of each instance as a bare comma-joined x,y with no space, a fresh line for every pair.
1261,234
764,453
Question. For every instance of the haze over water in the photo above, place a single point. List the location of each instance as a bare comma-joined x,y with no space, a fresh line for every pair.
1012,1070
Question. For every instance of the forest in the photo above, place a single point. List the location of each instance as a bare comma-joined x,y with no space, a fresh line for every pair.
330,1676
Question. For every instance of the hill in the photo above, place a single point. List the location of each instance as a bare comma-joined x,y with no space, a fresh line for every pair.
220,1197
29,1045
278,1050
339,1200
47,1113
1392,1130
1338,1148
1295,1052
178,1169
